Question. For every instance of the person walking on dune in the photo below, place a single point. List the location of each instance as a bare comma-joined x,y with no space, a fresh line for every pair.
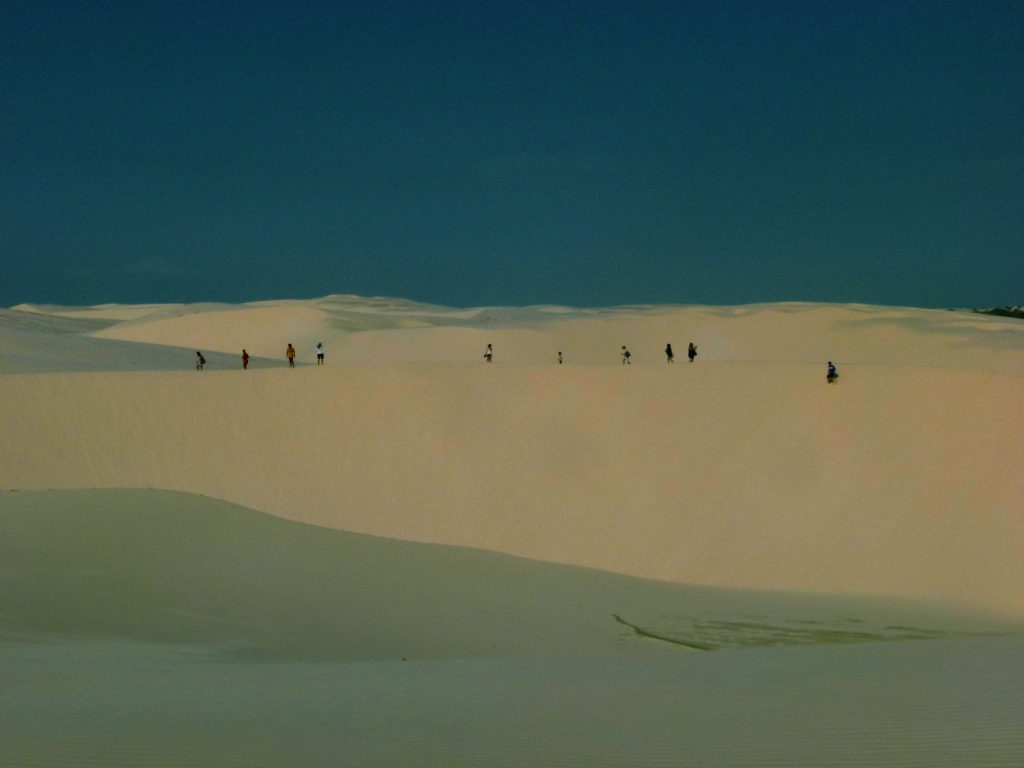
488,353
832,374
692,351
319,353
245,360
290,354
200,360
626,356
668,353
559,357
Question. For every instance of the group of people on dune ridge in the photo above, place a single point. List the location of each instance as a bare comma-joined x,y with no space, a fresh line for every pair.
627,358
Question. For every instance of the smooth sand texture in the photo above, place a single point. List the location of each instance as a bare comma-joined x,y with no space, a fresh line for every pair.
180,630
158,566
154,628
734,471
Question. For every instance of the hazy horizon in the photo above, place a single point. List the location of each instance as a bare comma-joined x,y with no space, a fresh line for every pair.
478,154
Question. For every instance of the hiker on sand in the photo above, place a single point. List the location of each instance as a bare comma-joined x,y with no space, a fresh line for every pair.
559,357
668,353
692,351
290,354
488,353
832,374
626,356
319,353
200,360
245,359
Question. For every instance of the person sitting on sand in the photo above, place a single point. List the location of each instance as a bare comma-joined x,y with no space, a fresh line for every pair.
692,351
488,353
626,356
245,359
200,360
832,374
668,353
290,354
319,353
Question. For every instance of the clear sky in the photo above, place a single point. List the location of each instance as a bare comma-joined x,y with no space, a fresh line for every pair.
484,152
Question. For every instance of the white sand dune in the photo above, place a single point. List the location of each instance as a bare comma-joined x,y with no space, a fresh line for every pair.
161,629
388,330
158,566
743,471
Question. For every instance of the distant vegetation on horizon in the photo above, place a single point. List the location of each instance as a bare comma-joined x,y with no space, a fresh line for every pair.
1017,311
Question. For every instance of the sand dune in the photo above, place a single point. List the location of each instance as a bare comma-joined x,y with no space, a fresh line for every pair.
770,509
148,627
163,567
742,470
383,330
896,481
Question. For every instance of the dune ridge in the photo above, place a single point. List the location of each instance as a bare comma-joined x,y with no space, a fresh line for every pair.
898,480
360,330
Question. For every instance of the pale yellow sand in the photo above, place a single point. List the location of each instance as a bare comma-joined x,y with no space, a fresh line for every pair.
900,481
360,330
197,633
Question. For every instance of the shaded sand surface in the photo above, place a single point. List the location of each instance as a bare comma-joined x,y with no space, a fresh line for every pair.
155,628
936,704
32,341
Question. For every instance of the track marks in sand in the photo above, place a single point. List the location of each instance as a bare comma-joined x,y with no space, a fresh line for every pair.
710,634
663,638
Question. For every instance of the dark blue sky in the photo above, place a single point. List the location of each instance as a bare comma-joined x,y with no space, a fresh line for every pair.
473,153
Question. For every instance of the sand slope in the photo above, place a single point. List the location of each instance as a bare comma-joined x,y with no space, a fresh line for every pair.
154,628
162,567
742,470
896,481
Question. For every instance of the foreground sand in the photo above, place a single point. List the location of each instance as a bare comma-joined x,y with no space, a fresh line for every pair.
148,627
775,509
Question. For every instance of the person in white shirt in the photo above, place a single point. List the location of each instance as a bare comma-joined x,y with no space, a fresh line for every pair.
320,353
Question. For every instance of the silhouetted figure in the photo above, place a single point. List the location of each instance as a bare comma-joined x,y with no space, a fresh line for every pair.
626,356
200,360
290,354
320,353
832,374
559,357
488,353
692,351
245,359
668,353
